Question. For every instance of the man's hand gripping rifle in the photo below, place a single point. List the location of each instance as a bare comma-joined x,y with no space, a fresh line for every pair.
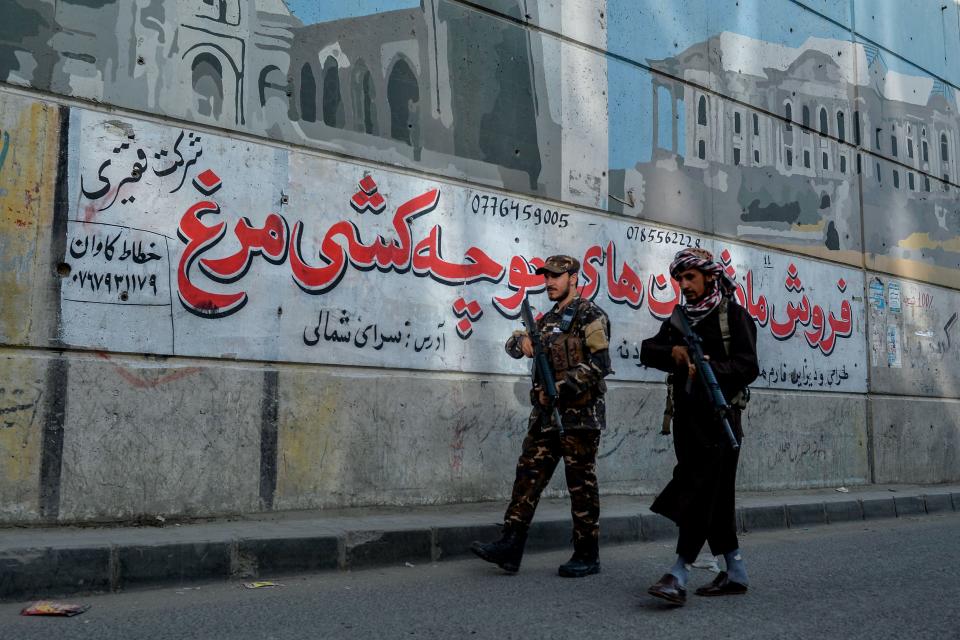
542,371
679,321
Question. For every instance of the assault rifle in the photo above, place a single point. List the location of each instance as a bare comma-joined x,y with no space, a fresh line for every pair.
542,370
679,321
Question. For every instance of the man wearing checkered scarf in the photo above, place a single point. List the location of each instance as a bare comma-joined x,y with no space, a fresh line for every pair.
700,496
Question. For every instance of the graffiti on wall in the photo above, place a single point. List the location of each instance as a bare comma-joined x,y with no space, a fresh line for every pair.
264,253
914,340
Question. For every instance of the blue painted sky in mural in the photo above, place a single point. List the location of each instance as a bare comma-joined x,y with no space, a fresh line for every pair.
313,11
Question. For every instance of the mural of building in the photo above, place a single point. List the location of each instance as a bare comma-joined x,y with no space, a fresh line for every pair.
397,82
808,173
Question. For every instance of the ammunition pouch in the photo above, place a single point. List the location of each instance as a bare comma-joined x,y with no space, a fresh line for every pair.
567,352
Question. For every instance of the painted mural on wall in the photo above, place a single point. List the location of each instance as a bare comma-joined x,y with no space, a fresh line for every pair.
429,84
754,130
221,248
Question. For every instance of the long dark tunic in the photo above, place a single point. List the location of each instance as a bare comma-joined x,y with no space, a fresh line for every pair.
703,480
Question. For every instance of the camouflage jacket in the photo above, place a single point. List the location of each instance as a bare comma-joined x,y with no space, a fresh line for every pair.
579,375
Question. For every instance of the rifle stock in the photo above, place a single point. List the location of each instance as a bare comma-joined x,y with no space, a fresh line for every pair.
542,370
679,321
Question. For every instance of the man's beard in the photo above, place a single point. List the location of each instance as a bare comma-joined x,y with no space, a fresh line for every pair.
560,294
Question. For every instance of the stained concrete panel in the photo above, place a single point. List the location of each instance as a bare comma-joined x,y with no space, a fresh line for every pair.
804,440
916,440
914,338
361,439
150,439
28,168
22,416
396,439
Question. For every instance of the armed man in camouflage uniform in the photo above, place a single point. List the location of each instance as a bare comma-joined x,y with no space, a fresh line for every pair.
576,337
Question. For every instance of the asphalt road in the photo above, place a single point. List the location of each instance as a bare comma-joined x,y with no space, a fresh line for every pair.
877,579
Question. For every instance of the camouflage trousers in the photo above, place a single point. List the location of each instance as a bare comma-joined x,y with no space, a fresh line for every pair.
538,460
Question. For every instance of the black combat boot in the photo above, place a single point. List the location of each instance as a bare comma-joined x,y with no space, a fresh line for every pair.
506,552
584,562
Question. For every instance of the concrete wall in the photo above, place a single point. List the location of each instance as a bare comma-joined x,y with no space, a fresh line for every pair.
263,255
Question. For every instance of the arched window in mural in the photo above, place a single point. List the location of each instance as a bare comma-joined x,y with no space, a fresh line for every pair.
856,127
702,150
944,151
208,85
364,100
926,151
272,84
403,95
332,99
841,129
223,11
308,94
736,122
702,111
788,114
756,125
806,116
824,122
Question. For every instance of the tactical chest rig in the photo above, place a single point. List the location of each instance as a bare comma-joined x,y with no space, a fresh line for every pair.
567,351
739,401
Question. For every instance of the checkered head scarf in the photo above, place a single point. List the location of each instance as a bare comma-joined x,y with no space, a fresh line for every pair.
722,286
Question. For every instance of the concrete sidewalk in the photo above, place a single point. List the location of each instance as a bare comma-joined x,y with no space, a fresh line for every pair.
38,562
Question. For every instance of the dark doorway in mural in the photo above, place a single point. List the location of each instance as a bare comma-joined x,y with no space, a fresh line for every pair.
208,85
308,94
403,94
364,100
272,84
332,99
